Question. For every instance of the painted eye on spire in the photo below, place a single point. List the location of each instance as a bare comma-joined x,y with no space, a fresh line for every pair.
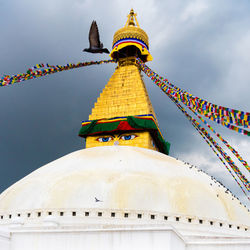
128,137
105,139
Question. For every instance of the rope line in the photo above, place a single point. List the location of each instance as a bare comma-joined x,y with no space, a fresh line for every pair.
223,115
223,162
174,97
45,69
216,145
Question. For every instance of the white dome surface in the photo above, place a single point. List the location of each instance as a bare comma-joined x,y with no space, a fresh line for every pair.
123,178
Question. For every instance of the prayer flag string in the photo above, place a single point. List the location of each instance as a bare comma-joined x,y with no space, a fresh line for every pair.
223,162
45,69
212,141
174,97
222,115
165,88
224,141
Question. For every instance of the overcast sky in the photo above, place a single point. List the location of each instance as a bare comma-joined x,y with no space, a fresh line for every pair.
200,46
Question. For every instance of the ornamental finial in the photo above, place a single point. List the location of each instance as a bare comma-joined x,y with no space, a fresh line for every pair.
132,19
131,36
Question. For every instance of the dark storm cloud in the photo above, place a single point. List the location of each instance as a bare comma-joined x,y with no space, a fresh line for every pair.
201,46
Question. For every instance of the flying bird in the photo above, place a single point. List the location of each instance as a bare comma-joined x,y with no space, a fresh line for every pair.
97,200
95,46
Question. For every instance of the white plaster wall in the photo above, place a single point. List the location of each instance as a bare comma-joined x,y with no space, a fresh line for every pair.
214,246
116,239
4,240
175,242
110,240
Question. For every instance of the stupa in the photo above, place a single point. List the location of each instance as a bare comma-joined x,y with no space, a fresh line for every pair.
123,191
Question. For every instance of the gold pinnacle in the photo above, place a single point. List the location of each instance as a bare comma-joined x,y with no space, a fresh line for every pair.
132,19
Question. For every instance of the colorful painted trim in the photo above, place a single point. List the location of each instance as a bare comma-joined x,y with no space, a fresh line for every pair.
128,123
119,118
130,40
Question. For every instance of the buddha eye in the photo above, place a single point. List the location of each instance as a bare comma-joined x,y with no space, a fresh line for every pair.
105,139
128,137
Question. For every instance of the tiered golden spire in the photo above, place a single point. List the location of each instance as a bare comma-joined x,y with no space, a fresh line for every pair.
124,98
124,95
131,35
131,17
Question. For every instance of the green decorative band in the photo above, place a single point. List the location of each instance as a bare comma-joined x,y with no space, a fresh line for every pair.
127,123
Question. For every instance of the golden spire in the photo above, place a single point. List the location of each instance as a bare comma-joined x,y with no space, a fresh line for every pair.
131,17
125,98
124,95
131,35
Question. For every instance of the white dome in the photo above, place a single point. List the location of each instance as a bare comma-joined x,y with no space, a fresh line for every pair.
123,178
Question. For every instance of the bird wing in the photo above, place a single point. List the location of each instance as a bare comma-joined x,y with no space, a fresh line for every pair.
94,39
